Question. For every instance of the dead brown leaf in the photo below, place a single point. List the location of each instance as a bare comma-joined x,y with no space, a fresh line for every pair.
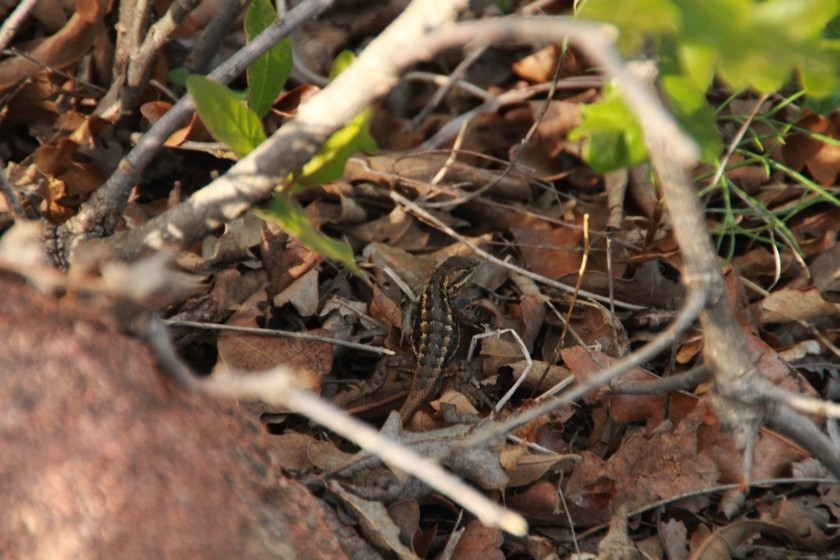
312,360
61,49
821,158
479,542
547,249
643,470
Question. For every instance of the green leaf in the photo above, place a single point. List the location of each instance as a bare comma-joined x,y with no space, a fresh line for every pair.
288,213
341,62
760,44
268,74
178,76
755,44
328,164
611,134
699,62
825,105
693,113
634,18
227,118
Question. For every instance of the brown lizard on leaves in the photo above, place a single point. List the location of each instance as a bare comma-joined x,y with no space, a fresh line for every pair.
434,338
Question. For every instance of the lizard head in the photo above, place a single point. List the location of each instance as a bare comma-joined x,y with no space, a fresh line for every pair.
456,272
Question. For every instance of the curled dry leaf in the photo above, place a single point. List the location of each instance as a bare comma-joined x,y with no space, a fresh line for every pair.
547,249
539,502
617,544
804,150
303,294
530,468
61,49
194,130
296,452
674,536
541,377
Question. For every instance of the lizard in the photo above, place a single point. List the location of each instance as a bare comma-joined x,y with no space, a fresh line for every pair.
435,337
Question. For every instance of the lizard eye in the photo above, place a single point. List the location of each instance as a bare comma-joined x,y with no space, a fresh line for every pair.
460,277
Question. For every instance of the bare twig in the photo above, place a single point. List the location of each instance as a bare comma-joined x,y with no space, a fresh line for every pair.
130,29
787,422
682,382
277,387
377,350
99,216
691,309
807,405
140,62
210,39
452,80
53,70
10,26
450,129
441,81
522,376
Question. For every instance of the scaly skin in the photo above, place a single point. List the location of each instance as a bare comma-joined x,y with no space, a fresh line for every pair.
435,336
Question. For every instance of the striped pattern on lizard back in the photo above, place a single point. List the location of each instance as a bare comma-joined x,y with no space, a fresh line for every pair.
435,337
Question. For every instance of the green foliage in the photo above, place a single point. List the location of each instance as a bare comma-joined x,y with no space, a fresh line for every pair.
328,164
693,113
748,44
611,134
740,215
224,115
268,74
340,64
178,77
240,128
286,211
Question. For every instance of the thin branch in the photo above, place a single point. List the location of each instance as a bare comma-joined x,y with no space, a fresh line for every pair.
450,129
431,219
140,62
682,382
452,80
691,309
272,333
808,405
99,216
277,388
787,422
15,19
210,39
